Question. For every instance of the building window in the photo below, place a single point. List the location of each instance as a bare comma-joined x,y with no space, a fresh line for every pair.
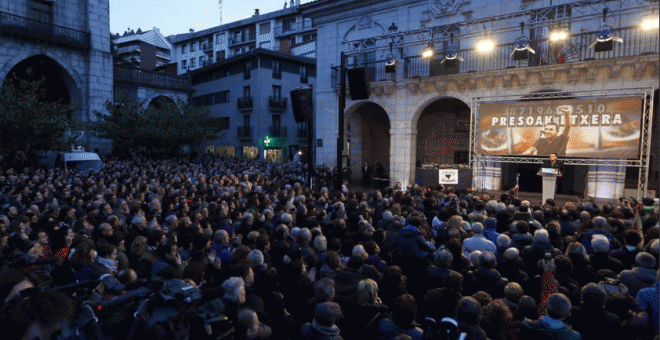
192,62
224,123
41,11
246,121
246,91
248,69
277,92
288,23
219,37
201,61
277,69
264,28
221,97
192,47
309,37
183,49
303,74
184,64
219,55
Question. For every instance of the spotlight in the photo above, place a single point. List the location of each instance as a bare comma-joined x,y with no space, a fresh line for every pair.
605,39
451,57
390,64
485,45
428,51
521,48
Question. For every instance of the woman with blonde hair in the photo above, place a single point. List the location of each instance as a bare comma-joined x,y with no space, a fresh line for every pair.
583,272
364,316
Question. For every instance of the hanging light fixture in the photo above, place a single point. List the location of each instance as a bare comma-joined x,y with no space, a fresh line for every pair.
650,22
521,48
390,62
486,44
605,38
451,57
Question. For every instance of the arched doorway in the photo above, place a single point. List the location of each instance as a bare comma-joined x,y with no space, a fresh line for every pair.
161,102
443,133
368,135
57,83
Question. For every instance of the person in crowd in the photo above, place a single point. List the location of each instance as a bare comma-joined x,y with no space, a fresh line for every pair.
323,325
404,312
591,319
642,275
551,326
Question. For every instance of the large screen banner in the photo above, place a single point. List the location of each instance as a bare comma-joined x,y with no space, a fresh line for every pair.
585,127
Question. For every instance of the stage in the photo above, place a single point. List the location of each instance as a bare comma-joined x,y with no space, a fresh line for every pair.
535,197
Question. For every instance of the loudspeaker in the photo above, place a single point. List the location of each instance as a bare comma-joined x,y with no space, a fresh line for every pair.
301,104
358,84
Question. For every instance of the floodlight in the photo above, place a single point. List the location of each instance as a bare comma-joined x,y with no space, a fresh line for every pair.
390,63
605,38
650,23
558,35
451,57
485,45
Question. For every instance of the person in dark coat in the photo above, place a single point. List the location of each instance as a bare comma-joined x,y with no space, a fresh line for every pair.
626,254
323,325
591,319
641,276
551,326
600,259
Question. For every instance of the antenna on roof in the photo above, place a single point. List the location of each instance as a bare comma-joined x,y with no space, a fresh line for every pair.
220,4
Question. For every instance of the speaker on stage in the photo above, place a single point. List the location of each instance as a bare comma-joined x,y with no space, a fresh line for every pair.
301,104
358,84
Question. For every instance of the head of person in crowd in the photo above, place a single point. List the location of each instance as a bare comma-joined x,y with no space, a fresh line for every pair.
558,306
468,310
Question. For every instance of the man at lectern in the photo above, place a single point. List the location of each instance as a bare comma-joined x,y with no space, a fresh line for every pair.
552,163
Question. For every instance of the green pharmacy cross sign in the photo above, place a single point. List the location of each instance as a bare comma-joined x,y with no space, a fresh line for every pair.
271,142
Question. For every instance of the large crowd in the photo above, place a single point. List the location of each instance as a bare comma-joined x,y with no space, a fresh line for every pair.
275,259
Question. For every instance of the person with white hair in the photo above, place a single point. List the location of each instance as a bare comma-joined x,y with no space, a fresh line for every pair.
601,228
531,254
601,259
478,241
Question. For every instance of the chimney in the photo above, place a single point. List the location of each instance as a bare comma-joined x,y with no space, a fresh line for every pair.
191,31
256,12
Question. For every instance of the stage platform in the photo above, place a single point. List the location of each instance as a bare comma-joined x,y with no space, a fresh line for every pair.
535,197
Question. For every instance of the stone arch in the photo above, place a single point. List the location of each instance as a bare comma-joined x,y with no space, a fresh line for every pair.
157,101
430,100
441,132
59,82
368,130
27,53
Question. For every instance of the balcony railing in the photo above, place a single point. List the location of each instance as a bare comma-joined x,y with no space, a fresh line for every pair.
277,104
635,43
164,55
128,49
278,132
29,29
244,103
207,47
150,78
293,28
244,133
375,71
242,39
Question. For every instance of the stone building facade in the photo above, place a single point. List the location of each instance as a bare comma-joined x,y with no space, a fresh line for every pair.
68,40
422,93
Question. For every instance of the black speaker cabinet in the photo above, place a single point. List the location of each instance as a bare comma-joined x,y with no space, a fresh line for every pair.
301,104
358,84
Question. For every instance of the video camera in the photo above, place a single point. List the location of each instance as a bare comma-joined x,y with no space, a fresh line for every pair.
446,329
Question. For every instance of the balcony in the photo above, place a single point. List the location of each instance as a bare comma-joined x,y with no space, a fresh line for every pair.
244,133
28,29
244,104
208,47
129,49
294,28
636,43
242,39
278,132
163,54
140,77
277,104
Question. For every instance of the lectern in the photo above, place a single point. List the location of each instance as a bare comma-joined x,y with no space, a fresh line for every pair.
549,182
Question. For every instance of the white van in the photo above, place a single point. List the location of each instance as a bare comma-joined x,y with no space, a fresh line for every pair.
82,161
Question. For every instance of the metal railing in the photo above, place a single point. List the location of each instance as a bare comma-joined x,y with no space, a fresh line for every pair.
128,49
162,54
278,132
375,71
296,27
244,133
150,78
29,29
242,39
277,104
576,49
244,103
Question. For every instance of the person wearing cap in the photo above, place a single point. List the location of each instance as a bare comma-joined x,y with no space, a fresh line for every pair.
323,325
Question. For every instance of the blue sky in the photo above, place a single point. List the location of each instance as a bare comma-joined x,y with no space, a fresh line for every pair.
178,16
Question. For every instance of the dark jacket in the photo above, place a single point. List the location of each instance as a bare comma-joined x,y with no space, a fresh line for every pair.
595,323
540,330
637,278
314,331
411,246
604,261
